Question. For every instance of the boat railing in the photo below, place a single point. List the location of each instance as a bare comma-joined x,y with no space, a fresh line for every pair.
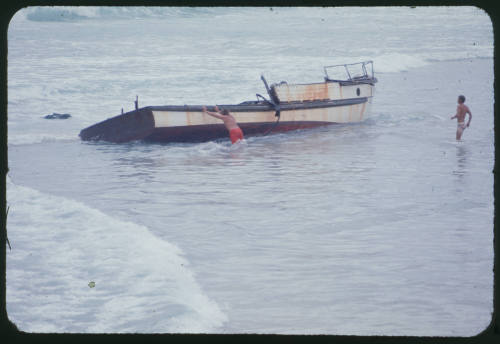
350,72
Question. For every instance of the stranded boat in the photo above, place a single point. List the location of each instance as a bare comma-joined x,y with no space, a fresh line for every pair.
343,97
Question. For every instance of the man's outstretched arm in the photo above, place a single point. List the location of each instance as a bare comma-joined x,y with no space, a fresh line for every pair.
455,115
213,114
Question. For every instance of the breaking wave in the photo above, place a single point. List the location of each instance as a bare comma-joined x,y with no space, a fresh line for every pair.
141,283
26,139
387,59
74,13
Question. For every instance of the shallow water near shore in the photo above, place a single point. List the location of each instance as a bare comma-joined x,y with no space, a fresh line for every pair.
383,227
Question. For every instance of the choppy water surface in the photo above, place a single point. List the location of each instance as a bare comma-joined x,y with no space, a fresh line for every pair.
381,227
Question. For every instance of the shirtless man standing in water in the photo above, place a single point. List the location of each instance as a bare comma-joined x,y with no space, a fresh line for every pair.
462,110
235,133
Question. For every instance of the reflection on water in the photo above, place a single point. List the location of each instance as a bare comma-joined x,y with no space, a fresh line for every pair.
461,168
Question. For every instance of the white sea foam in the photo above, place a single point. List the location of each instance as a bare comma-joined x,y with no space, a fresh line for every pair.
59,246
26,139
396,62
76,13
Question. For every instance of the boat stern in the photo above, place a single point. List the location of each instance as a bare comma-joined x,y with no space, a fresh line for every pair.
130,126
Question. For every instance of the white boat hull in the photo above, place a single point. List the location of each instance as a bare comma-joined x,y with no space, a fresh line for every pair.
289,107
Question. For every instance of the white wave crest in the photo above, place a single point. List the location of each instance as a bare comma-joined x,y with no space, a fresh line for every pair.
60,246
396,62
75,13
26,139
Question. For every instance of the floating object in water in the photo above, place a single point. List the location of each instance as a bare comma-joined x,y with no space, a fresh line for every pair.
58,116
289,107
91,284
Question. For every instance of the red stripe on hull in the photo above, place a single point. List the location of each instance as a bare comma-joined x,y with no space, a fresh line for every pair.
202,133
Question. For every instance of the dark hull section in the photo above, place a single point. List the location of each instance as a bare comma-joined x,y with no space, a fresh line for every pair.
134,125
203,133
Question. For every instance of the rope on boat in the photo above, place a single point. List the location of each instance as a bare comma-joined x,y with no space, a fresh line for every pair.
276,107
274,125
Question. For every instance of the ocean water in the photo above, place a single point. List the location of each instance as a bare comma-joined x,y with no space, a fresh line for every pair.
383,227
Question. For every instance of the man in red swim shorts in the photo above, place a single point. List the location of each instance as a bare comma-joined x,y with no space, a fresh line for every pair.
235,133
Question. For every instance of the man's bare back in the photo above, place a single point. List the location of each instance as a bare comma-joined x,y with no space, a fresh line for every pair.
229,120
462,111
235,132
